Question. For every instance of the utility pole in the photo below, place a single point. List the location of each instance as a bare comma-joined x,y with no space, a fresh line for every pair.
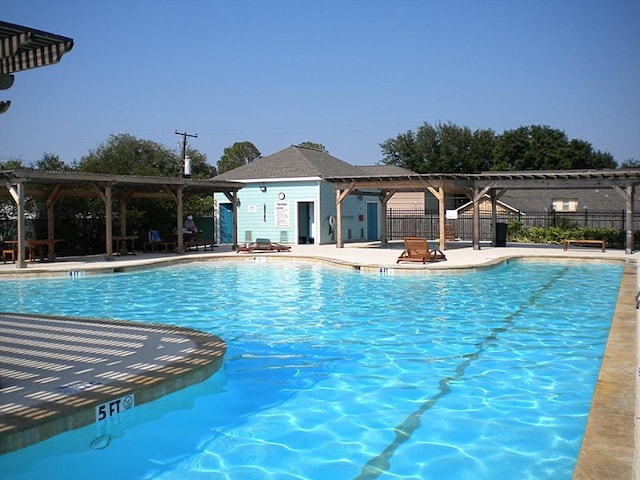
185,168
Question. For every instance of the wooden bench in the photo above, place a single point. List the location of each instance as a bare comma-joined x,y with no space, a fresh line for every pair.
600,243
151,246
189,244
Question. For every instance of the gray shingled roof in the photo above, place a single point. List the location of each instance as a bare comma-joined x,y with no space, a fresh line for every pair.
604,199
385,170
292,162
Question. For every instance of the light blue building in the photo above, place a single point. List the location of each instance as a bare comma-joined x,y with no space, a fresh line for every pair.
285,199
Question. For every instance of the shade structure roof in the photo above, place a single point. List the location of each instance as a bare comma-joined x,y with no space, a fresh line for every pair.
477,185
523,180
74,183
24,48
21,184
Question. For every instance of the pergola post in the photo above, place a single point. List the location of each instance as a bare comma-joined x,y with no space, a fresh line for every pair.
123,217
17,193
385,196
442,219
108,218
179,218
51,201
628,194
341,194
439,194
629,222
22,244
476,219
494,218
338,226
234,203
477,194
233,197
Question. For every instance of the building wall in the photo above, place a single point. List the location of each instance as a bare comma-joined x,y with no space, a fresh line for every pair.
407,201
354,227
265,215
603,199
484,207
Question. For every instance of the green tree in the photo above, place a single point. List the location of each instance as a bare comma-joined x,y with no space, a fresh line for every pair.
599,159
13,164
52,163
443,148
531,148
403,151
630,163
238,154
482,147
540,147
8,208
125,154
314,146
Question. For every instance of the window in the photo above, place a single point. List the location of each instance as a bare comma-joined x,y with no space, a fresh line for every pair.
565,204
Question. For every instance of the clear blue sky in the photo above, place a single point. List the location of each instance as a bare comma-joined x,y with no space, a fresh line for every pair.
348,74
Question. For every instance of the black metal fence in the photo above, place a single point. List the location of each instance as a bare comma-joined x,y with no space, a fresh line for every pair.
420,223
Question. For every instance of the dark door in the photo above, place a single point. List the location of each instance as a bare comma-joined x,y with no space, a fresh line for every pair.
372,221
305,222
226,223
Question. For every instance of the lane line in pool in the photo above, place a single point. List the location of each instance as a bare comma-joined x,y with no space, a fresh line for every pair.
403,432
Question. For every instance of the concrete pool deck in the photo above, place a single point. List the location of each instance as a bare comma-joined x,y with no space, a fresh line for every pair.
610,444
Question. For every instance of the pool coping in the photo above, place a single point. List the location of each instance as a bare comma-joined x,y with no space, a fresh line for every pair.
609,446
609,443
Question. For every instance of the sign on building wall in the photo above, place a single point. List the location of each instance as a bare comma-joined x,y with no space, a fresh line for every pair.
451,214
282,214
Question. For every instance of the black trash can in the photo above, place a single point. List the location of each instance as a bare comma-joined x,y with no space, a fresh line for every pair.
501,234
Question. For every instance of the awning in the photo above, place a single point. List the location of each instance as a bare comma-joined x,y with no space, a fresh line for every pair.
24,48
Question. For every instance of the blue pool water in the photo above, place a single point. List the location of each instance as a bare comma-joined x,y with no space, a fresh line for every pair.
347,375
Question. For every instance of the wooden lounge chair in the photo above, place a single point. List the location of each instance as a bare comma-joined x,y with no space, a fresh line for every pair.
263,245
416,249
449,232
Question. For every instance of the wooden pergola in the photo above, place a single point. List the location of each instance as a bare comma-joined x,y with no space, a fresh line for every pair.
476,186
22,184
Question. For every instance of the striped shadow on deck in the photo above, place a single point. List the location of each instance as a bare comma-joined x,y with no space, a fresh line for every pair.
55,372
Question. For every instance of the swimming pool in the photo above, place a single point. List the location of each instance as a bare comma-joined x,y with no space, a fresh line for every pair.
335,373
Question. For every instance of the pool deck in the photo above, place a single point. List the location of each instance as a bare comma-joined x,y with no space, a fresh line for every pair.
610,444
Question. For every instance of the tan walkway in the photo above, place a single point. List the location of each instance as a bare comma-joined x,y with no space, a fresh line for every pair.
609,446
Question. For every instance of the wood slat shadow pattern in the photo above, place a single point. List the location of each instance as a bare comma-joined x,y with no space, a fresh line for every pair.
54,370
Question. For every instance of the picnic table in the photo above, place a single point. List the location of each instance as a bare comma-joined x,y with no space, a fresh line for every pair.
39,245
122,243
